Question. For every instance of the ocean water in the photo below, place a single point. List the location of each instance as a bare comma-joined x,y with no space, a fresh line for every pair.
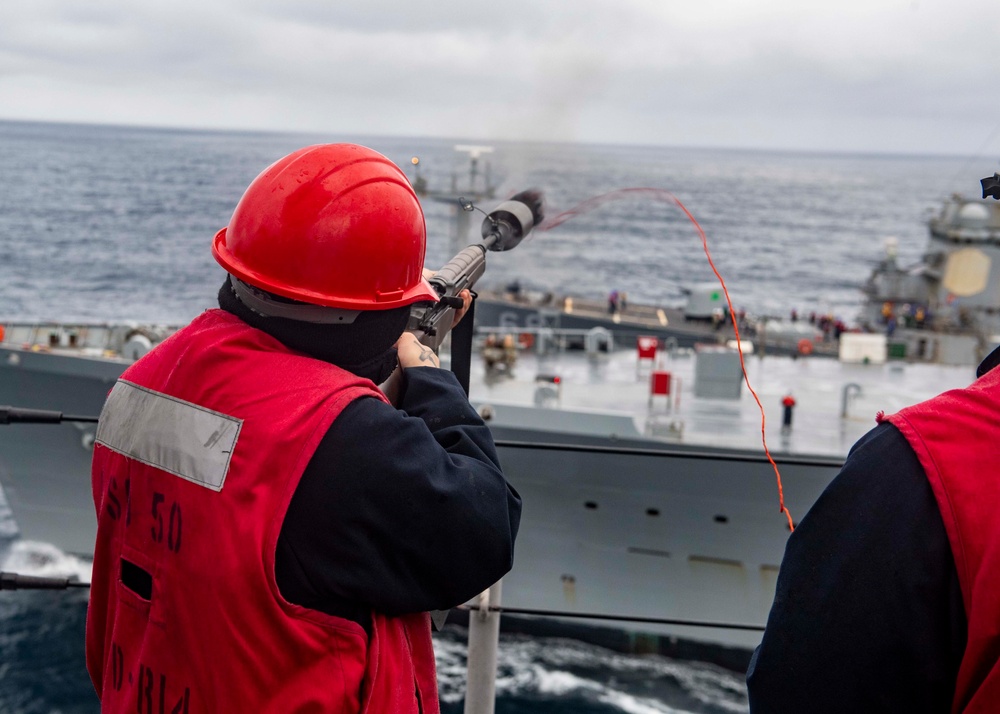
113,223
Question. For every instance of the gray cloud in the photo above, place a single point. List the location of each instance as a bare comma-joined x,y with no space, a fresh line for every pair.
892,75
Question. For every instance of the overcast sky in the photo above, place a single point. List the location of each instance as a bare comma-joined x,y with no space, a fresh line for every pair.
853,75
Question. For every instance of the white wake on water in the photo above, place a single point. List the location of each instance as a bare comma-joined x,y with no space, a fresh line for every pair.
28,557
549,668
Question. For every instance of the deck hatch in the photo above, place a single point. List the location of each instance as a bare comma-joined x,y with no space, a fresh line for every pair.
179,437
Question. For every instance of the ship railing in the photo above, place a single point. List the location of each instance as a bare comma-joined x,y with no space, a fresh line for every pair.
545,340
484,631
56,335
92,339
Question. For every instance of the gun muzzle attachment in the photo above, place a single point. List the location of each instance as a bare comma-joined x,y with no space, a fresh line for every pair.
507,224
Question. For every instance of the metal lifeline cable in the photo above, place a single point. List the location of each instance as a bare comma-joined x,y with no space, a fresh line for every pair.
664,195
612,618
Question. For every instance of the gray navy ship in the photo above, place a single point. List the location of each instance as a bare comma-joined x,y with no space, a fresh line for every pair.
650,505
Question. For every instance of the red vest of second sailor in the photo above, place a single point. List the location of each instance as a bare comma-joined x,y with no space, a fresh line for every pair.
956,436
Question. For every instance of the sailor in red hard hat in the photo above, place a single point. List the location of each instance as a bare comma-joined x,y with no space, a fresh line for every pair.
271,530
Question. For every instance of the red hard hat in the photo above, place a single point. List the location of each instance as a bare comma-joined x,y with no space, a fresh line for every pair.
336,225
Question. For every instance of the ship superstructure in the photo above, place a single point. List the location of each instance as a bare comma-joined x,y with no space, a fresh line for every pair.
945,308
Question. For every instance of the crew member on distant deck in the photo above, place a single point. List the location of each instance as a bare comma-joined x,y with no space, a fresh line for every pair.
887,311
887,598
271,530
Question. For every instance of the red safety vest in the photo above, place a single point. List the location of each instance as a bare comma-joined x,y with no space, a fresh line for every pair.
956,439
201,445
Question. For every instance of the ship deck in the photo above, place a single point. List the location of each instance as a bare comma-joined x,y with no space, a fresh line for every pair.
609,395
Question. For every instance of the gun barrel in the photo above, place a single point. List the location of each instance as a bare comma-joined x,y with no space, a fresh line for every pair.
14,415
18,415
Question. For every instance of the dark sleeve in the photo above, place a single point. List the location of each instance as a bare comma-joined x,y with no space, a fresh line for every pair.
868,613
400,510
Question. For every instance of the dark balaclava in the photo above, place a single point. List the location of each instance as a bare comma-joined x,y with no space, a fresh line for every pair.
365,347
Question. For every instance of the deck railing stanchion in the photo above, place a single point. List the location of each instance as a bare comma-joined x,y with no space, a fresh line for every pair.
484,636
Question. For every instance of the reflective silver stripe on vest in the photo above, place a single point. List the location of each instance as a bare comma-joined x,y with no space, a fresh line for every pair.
179,437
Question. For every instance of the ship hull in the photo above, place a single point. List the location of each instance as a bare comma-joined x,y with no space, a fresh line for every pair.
44,468
613,526
657,534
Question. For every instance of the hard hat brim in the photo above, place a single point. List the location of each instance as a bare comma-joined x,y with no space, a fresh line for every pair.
421,291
